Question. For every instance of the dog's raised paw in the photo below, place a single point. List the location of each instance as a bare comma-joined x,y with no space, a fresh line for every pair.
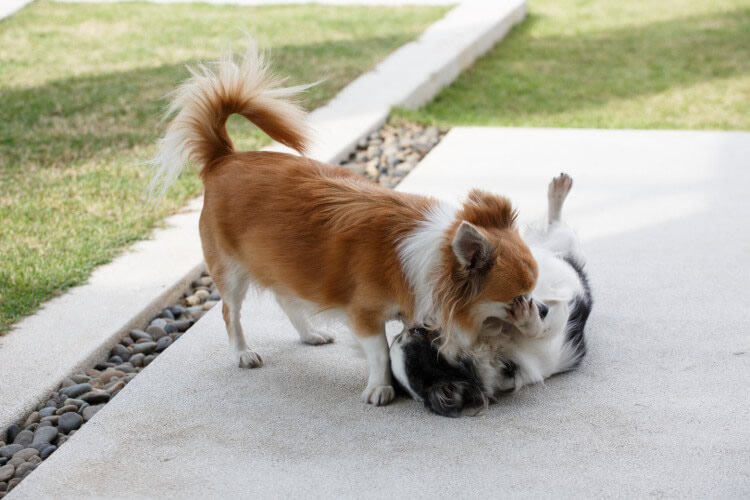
318,337
248,359
560,186
378,395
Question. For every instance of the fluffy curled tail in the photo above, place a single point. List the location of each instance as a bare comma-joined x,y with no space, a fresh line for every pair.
201,106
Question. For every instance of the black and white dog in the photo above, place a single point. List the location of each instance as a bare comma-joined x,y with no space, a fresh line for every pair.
539,336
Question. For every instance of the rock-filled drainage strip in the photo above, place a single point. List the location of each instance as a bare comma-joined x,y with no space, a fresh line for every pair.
385,156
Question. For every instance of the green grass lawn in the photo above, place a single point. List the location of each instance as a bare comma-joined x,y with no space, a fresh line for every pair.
681,64
81,89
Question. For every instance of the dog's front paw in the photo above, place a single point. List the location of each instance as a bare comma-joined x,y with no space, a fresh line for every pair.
248,359
378,395
522,311
318,337
524,314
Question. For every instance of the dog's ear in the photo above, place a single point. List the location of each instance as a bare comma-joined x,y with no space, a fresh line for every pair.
472,249
488,210
445,399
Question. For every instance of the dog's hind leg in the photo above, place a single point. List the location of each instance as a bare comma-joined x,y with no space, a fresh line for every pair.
558,237
553,235
300,320
232,281
556,193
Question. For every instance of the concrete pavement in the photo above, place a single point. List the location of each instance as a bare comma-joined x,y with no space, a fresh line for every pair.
659,407
8,7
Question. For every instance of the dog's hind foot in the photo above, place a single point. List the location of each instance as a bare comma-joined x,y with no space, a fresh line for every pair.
316,337
557,191
248,359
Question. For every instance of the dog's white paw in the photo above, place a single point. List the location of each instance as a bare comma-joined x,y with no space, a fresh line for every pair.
524,314
317,337
521,311
559,187
248,359
378,395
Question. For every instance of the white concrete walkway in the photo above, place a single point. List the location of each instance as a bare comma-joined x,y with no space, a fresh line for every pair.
659,408
8,7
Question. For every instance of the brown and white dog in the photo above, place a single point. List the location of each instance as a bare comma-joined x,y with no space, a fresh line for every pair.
324,240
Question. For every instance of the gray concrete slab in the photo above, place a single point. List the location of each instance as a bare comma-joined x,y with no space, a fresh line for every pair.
659,408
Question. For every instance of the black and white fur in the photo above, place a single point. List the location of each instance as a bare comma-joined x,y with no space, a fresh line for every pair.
537,337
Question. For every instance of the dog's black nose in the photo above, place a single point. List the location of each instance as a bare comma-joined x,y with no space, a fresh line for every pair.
543,309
